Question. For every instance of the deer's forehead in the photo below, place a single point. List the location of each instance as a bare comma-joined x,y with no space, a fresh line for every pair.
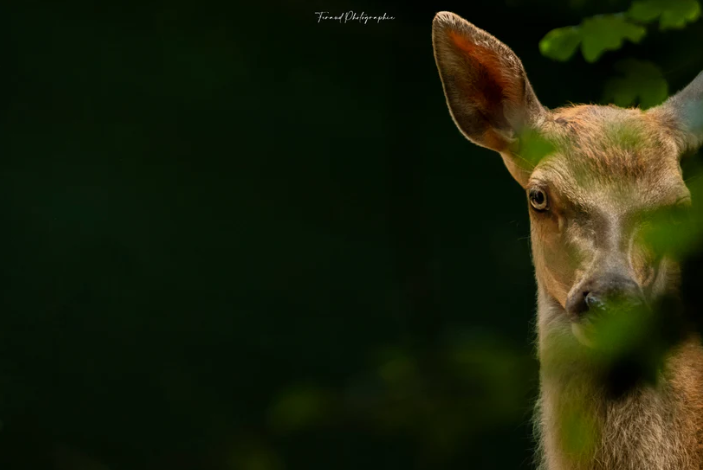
610,155
601,183
614,137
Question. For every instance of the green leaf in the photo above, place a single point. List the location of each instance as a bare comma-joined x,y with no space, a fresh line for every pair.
561,43
674,231
534,146
672,14
607,33
644,11
639,82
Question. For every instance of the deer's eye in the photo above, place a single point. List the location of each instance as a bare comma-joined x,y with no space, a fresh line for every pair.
538,199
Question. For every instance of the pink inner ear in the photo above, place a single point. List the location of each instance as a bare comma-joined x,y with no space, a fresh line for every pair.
489,80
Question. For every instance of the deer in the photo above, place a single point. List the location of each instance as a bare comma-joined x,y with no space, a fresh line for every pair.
589,198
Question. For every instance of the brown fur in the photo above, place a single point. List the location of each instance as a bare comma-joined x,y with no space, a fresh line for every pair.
609,167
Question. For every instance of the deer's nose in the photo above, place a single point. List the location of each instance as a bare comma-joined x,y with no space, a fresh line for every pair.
602,292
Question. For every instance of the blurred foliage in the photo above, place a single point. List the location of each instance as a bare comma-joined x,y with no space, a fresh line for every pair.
676,231
438,401
607,33
299,407
638,83
579,434
595,35
602,33
533,147
672,14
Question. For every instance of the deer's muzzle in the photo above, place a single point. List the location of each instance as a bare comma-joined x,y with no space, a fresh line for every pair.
605,292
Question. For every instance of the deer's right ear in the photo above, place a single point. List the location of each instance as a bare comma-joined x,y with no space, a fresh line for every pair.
684,112
486,87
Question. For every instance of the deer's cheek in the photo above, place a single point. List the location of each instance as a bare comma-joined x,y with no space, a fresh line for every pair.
560,275
643,261
557,269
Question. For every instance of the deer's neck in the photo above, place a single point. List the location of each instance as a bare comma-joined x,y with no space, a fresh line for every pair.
581,428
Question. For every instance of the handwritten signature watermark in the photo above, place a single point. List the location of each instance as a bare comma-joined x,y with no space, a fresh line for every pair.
351,16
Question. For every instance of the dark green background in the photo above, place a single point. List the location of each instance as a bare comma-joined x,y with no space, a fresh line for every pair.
236,238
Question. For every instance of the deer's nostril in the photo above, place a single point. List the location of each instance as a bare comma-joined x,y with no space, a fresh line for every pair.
578,303
604,292
592,301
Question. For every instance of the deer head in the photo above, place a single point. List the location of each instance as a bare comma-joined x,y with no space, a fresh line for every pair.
608,174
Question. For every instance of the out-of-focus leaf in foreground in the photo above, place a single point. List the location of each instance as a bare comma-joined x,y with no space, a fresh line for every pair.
596,35
639,82
468,386
579,433
672,14
533,147
607,33
675,230
561,43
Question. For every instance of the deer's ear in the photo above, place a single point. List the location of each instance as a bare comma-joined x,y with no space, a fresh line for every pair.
684,113
485,84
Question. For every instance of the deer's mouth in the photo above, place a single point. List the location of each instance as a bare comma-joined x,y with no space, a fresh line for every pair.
584,332
608,326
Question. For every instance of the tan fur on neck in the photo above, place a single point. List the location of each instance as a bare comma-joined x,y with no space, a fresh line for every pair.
654,427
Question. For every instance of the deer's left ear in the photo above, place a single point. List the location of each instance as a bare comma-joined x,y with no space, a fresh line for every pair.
486,87
684,113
